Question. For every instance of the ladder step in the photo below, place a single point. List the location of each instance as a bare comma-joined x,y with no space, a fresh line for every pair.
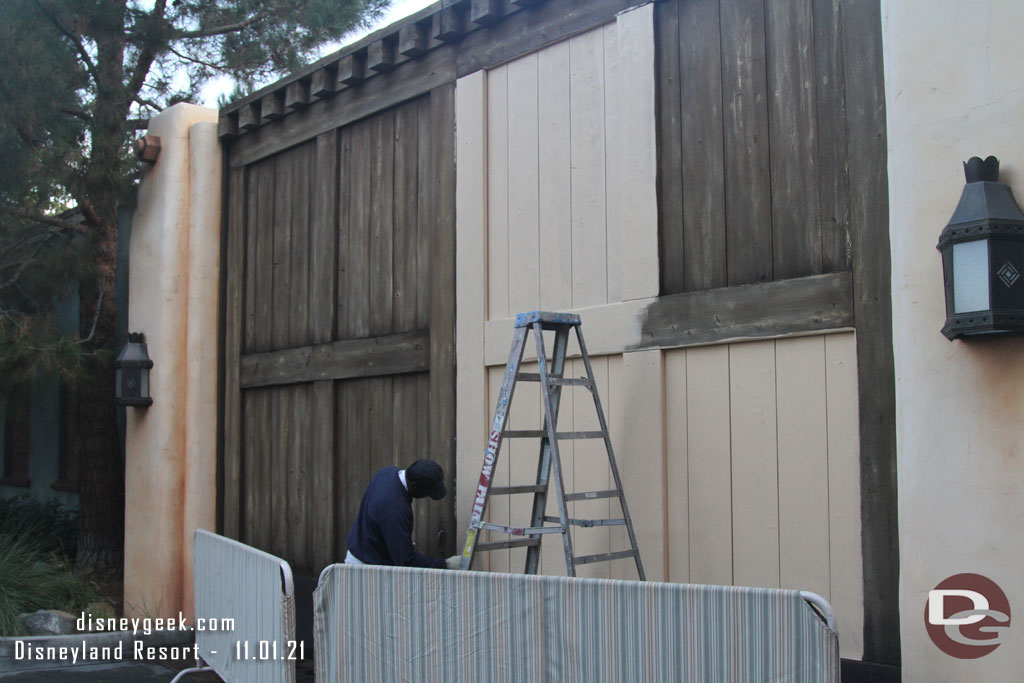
509,490
603,557
484,546
554,380
591,495
588,522
521,531
541,433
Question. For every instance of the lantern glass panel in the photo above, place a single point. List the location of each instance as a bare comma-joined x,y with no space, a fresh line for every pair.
970,276
143,383
118,383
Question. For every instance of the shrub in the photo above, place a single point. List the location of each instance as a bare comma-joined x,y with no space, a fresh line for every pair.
53,525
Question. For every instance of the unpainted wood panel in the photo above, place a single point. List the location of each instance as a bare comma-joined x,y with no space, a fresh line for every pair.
281,273
745,123
497,194
523,189
846,577
587,149
359,203
406,218
590,469
234,302
426,205
554,178
263,272
299,331
676,468
755,495
323,235
637,429
710,469
670,145
381,234
830,102
796,230
803,465
323,489
298,480
701,185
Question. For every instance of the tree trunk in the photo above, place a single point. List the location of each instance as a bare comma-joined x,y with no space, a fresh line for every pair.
101,467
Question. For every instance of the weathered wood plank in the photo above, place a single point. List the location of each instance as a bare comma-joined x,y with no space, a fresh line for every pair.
283,189
322,238
234,296
249,457
381,236
425,200
323,488
344,233
297,480
703,187
745,122
830,100
299,219
367,357
264,271
869,236
411,79
361,203
796,230
406,189
769,309
442,292
670,146
282,428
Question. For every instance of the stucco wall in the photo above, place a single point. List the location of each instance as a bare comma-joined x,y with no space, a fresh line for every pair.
954,89
170,447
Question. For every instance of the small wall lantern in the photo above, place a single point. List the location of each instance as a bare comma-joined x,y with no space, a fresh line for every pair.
131,373
983,256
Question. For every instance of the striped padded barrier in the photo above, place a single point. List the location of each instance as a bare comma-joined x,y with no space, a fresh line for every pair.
401,624
256,589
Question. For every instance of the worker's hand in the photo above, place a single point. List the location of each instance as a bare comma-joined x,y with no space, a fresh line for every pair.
454,561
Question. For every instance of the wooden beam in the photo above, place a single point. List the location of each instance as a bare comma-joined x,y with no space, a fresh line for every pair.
388,355
322,82
485,12
411,78
296,95
248,118
227,125
271,107
770,309
380,56
413,40
352,69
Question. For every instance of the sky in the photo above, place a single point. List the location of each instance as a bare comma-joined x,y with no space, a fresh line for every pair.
399,9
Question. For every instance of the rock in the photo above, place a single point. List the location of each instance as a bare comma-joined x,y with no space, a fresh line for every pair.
48,623
100,610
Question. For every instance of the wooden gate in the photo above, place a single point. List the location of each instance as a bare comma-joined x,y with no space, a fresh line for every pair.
339,327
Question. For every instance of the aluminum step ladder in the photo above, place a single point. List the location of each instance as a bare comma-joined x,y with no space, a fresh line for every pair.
552,380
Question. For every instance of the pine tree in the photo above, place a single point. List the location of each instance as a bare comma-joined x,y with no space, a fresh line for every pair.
78,81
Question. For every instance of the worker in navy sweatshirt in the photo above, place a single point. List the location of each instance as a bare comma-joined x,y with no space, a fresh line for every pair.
382,532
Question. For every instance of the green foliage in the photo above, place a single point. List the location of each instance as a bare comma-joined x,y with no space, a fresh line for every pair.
52,526
36,542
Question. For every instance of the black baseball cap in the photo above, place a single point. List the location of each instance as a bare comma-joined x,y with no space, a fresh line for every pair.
425,478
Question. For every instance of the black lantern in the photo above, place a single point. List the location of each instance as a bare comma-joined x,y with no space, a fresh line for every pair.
983,256
131,373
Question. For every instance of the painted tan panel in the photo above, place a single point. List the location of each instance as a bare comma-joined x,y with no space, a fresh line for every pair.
755,499
471,296
803,465
708,449
497,506
591,470
676,468
552,556
846,584
497,193
555,215
632,162
522,456
523,235
637,431
587,144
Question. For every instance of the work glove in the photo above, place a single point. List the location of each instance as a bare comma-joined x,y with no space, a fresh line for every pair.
453,561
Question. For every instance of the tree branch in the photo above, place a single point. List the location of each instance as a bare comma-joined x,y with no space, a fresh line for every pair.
137,124
196,60
77,113
56,222
95,319
74,37
220,30
147,52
